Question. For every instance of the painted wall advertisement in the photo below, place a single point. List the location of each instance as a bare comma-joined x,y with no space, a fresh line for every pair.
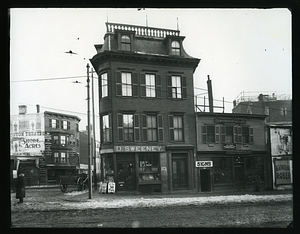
27,144
283,172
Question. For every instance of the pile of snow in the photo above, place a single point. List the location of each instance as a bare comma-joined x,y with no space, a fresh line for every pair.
70,203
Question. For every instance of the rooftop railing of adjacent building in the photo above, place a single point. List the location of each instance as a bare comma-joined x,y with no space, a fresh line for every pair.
142,31
261,96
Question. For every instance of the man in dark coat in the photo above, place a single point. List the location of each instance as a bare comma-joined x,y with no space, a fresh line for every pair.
20,187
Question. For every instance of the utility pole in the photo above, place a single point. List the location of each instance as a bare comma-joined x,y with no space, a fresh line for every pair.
89,132
94,135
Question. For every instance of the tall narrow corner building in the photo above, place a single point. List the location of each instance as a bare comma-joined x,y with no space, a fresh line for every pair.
146,105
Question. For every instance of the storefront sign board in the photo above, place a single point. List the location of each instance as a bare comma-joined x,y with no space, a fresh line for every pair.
204,163
134,148
236,121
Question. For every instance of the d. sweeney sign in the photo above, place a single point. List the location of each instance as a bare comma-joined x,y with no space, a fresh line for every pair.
135,148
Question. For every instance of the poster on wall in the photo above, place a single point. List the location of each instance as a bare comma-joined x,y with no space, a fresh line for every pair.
29,145
283,172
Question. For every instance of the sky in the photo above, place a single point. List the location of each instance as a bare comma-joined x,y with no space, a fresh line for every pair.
242,50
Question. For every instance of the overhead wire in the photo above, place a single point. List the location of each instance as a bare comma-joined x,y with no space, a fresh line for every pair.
149,88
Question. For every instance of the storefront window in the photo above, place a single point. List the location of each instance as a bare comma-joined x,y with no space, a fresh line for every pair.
254,166
148,167
109,168
222,170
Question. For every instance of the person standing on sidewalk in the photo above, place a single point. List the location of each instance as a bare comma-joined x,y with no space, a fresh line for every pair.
20,187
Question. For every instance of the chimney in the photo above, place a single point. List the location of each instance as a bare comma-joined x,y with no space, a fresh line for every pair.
37,108
210,96
22,109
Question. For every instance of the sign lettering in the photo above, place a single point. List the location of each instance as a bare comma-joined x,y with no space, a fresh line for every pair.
204,163
148,148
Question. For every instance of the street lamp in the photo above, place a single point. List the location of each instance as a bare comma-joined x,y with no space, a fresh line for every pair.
89,133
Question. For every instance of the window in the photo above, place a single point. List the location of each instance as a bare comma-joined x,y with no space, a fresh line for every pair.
55,140
56,158
65,124
126,122
222,170
227,134
267,110
150,85
148,162
125,43
176,127
128,127
175,48
126,84
283,111
104,85
106,128
152,128
54,123
177,87
63,157
62,140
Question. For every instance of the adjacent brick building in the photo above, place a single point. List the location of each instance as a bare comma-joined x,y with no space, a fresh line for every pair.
146,105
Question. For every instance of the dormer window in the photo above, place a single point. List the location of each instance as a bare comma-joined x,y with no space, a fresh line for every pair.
125,43
175,48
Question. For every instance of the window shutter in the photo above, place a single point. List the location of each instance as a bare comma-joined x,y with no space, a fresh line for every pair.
235,134
184,89
118,84
62,124
223,132
251,135
204,134
57,123
120,127
239,128
110,128
171,127
158,86
217,134
50,123
68,122
144,127
136,123
169,86
160,128
134,85
143,85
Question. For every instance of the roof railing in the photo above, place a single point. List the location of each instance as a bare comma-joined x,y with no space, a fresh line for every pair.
142,31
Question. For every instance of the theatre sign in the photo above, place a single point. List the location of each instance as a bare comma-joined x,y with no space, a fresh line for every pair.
27,143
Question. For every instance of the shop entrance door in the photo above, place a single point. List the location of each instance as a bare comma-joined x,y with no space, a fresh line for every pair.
126,176
239,176
179,173
205,180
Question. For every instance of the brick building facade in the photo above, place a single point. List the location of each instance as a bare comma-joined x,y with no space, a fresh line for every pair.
146,109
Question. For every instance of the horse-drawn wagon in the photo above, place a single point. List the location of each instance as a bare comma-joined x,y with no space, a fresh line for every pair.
79,180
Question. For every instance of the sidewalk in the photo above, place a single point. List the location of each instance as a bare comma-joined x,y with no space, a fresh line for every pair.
180,194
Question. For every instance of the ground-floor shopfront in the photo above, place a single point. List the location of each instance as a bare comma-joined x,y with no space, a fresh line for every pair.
221,171
149,168
33,168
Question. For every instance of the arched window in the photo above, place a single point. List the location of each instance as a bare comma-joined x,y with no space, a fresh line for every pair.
125,43
175,47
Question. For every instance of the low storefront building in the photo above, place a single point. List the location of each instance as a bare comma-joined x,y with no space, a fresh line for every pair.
231,152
